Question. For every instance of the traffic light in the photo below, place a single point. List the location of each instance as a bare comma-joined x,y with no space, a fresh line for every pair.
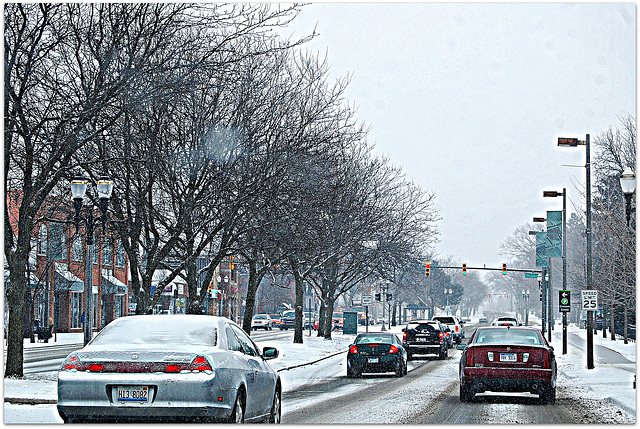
231,264
504,269
464,269
389,297
377,297
427,270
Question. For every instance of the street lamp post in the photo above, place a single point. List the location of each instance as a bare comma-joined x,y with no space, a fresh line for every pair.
525,300
78,190
628,185
573,142
564,256
383,299
447,294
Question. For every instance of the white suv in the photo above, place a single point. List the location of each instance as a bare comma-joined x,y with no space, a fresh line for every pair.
457,329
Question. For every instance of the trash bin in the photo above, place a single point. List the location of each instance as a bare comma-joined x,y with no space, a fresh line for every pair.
350,325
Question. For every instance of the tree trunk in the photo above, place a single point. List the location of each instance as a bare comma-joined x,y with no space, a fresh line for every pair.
329,318
250,301
15,330
299,306
322,319
626,338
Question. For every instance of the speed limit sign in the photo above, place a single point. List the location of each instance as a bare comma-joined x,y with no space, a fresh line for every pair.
590,300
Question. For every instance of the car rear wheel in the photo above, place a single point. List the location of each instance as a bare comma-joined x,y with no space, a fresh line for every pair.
465,394
548,395
237,414
399,368
276,408
352,373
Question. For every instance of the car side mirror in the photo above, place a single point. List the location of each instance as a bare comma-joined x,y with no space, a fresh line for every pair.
269,353
404,329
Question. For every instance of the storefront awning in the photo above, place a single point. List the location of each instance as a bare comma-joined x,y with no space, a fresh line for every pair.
111,285
65,280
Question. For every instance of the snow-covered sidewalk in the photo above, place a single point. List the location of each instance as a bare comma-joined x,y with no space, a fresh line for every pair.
607,381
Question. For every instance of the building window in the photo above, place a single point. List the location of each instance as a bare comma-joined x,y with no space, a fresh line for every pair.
42,240
57,242
107,254
120,255
76,309
76,251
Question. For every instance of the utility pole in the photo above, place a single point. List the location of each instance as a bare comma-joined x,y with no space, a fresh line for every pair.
590,323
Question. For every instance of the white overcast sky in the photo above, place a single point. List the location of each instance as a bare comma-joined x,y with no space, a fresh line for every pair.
470,98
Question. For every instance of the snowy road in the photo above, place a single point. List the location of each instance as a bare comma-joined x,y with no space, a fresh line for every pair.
429,395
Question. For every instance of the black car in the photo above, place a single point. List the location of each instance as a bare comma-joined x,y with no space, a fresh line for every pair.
377,352
425,337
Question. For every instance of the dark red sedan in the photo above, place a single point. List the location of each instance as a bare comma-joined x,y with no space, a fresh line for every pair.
508,359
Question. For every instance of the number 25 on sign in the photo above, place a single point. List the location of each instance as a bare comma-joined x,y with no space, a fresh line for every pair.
590,300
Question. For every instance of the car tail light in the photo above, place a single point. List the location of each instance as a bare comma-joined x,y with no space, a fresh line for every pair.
393,349
457,328
353,350
440,335
72,362
95,367
490,356
200,363
545,360
470,357
404,336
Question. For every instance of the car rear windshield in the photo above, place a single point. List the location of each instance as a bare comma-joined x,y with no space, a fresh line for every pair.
449,320
421,327
375,339
260,316
508,336
157,330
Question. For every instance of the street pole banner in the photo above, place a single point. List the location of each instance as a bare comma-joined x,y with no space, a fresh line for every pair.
554,234
542,243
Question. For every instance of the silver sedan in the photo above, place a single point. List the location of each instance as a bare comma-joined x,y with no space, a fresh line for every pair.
170,368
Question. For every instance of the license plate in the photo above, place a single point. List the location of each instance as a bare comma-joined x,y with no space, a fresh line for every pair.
422,340
133,394
373,360
508,357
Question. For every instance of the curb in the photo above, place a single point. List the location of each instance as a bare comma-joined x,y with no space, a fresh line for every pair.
311,363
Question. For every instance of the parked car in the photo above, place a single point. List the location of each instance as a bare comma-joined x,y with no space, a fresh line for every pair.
261,321
378,352
156,368
507,359
337,321
457,330
310,320
423,337
288,320
483,320
506,321
276,319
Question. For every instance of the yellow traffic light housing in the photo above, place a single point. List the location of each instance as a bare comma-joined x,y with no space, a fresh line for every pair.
464,269
427,269
504,269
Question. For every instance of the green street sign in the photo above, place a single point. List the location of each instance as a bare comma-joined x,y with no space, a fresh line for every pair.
564,301
530,275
